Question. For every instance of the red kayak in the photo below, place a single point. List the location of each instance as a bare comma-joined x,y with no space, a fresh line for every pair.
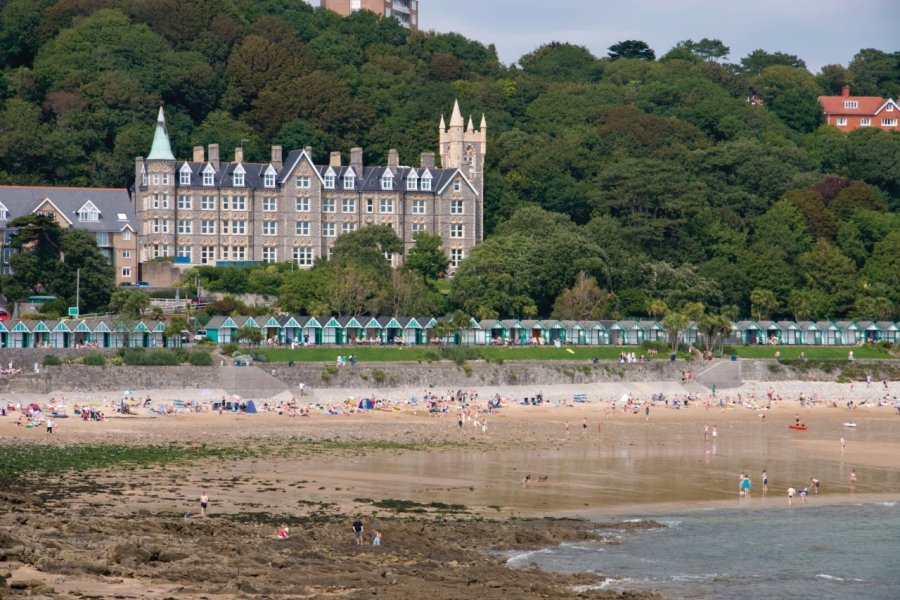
797,426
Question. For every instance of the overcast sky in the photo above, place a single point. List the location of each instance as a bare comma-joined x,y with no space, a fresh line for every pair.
820,32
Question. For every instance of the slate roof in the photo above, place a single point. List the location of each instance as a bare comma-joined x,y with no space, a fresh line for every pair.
111,202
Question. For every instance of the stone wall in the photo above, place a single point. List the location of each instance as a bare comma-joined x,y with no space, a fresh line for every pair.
82,378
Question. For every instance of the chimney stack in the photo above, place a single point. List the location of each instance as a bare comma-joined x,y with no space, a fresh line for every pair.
426,160
308,150
213,151
198,154
393,158
335,159
356,161
138,172
238,155
845,91
276,157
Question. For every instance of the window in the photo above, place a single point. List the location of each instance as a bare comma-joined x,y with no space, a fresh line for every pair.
185,226
348,227
88,212
418,207
842,121
226,203
237,179
4,213
238,203
207,254
456,256
160,226
160,250
457,185
889,108
417,227
302,204
386,206
103,239
184,177
387,181
329,181
456,207
301,228
302,256
426,183
126,235
236,252
348,205
866,122
144,178
208,178
155,178
185,252
270,255
303,182
185,202
161,201
889,122
328,229
370,205
456,230
207,227
412,182
208,203
349,182
234,227
270,204
165,179
126,254
269,180
126,272
851,104
270,228
328,205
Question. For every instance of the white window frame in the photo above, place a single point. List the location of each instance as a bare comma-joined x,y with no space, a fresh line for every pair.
842,121
301,228
4,213
185,226
885,122
185,251
237,179
165,179
370,205
184,177
269,254
412,183
387,182
207,255
329,229
865,122
386,206
154,178
239,203
417,227
301,204
419,207
303,256
88,213
457,207
329,181
208,227
126,272
270,228
329,205
457,231
270,204
348,205
457,185
302,182
207,202
269,180
185,202
426,183
126,254
126,235
851,104
456,256
208,178
349,182
347,227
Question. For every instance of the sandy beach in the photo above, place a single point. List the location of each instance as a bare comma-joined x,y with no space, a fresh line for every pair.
588,462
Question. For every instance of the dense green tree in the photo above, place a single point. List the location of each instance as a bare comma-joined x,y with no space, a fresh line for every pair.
759,60
875,73
427,257
129,303
631,49
856,196
584,300
763,303
828,271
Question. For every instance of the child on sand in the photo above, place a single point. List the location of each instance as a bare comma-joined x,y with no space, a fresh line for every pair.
377,540
283,533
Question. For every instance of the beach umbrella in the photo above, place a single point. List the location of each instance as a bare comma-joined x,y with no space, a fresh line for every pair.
33,406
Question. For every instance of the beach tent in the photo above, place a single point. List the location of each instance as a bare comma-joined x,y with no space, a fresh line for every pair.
250,407
366,404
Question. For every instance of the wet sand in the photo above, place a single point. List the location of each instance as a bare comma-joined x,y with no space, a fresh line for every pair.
320,471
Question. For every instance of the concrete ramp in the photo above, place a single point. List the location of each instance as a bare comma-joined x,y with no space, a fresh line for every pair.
723,374
250,382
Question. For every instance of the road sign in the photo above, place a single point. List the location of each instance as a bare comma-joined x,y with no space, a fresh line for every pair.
73,311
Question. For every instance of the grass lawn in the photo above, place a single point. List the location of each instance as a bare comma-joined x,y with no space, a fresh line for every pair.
811,352
497,353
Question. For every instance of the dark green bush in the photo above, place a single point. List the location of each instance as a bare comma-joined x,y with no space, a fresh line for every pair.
460,354
200,358
94,359
228,348
155,358
181,353
51,360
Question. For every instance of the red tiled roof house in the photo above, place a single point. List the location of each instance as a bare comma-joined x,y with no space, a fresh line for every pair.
848,112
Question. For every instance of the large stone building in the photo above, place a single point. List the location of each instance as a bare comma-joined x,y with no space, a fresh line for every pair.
405,11
105,213
208,211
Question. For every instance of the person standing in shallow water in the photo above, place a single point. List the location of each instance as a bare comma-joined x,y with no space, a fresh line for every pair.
765,480
852,481
358,532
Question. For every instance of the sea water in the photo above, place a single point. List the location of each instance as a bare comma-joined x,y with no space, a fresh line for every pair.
825,552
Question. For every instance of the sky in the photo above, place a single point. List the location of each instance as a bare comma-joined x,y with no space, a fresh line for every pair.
820,32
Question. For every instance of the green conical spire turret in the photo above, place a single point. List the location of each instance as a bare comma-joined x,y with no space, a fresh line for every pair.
161,149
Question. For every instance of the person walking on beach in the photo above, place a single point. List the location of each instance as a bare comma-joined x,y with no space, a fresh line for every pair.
204,502
852,480
791,492
814,483
705,431
765,478
843,445
715,433
376,541
358,531
584,427
49,426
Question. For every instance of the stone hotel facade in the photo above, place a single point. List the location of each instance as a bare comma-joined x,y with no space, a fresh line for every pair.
206,211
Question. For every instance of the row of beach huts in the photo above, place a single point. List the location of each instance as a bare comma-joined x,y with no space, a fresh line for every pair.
417,331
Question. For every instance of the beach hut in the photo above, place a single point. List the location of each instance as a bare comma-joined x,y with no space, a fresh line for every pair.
352,328
596,334
391,331
891,331
496,332
413,334
515,331
851,333
831,333
575,332
473,334
632,333
373,331
311,331
535,333
691,334
60,334
19,334
40,335
221,330
101,333
810,334
290,329
615,331
427,324
332,331
750,333
4,335
653,330
271,331
140,336
118,335
554,331
791,333
771,332
158,339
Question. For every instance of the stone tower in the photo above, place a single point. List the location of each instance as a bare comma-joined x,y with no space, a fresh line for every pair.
464,147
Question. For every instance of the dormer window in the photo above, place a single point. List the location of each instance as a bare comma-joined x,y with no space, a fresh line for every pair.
387,181
412,182
269,180
426,183
851,104
184,175
4,213
329,181
88,212
209,174
349,181
238,179
144,180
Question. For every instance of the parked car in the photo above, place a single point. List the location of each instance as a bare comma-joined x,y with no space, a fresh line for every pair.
199,301
142,284
126,284
199,335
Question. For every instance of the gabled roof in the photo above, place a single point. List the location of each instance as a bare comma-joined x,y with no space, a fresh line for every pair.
866,105
293,159
333,324
24,200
